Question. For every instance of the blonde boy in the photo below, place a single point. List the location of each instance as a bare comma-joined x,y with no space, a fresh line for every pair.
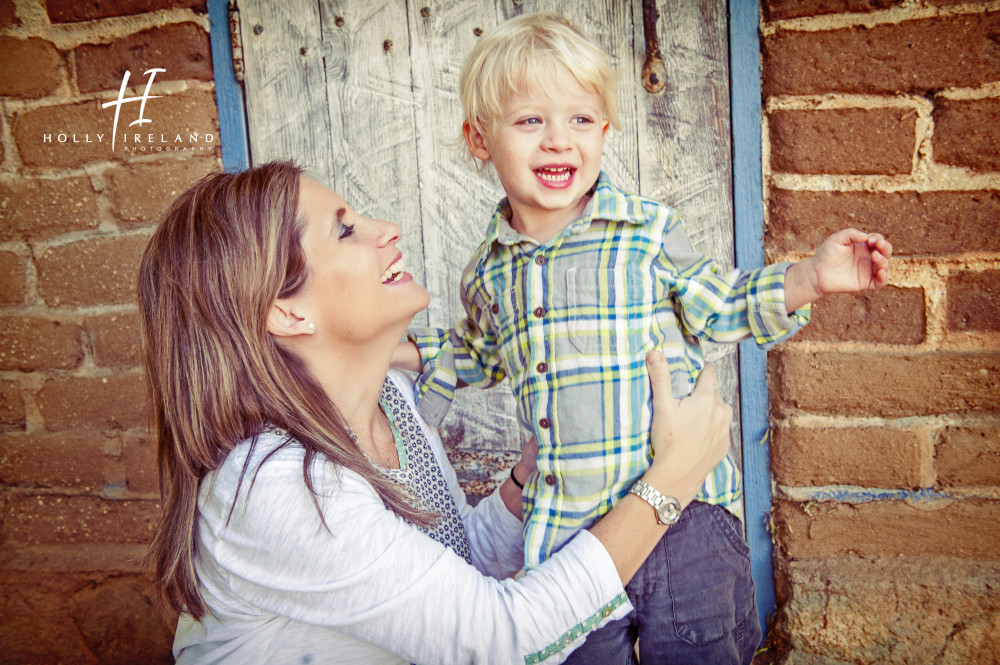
575,282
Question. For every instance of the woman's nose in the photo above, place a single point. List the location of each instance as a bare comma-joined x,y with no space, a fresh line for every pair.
386,232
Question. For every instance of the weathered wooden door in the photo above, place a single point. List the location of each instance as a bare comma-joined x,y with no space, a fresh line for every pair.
363,93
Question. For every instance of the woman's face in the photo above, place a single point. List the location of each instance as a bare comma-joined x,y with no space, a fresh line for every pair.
356,289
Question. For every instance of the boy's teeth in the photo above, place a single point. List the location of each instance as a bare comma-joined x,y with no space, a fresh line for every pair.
554,175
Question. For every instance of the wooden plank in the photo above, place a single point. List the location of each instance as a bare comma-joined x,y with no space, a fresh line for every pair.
456,202
748,187
372,125
285,83
685,159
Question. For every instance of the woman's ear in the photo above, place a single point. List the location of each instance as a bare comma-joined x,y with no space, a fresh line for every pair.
476,142
282,321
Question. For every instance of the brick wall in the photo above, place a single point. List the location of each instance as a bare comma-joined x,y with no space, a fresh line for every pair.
885,114
78,489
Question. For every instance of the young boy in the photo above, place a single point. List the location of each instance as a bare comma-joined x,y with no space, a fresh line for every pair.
575,282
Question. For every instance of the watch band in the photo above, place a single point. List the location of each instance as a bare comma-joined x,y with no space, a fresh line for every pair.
667,508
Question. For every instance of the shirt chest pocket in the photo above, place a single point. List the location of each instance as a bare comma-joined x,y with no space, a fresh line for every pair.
604,312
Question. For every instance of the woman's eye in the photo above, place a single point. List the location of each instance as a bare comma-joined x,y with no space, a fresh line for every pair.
346,231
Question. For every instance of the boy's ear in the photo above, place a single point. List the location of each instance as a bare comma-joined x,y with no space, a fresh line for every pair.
604,130
476,141
282,321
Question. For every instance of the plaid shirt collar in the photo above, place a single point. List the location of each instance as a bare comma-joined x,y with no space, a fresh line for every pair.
607,203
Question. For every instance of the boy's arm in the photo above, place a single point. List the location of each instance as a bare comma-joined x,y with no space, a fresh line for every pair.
722,305
447,360
847,262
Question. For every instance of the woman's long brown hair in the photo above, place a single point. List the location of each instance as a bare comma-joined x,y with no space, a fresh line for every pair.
224,251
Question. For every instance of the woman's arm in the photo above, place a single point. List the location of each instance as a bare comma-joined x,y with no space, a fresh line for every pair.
368,575
689,437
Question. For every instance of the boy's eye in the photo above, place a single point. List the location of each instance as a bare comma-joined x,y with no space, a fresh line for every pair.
346,230
583,120
530,121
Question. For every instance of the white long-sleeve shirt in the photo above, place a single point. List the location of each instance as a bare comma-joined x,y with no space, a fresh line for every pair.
281,588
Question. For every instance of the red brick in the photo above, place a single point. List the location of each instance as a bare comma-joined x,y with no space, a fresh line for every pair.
883,384
891,315
91,272
974,300
927,223
120,623
66,520
865,456
37,627
36,208
8,15
968,456
777,10
173,114
12,412
877,611
115,339
71,11
32,67
13,286
29,343
112,402
843,141
916,57
967,133
143,191
968,529
62,460
181,48
141,468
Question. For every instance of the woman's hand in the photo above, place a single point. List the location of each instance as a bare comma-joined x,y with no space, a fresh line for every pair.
689,437
528,462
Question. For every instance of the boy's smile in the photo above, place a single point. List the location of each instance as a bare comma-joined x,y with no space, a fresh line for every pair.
546,149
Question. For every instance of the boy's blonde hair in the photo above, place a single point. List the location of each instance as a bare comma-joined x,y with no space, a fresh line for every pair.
518,54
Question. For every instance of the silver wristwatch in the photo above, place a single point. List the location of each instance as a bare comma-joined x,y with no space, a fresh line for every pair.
668,509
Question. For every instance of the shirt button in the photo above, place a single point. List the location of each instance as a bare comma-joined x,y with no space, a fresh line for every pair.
550,480
545,423
494,308
542,367
539,312
540,260
606,613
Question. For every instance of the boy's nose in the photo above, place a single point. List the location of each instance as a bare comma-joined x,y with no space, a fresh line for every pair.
556,137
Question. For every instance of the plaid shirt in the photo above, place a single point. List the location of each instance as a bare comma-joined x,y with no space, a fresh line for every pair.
570,323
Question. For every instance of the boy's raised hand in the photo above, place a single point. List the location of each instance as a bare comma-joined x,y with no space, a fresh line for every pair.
852,260
847,262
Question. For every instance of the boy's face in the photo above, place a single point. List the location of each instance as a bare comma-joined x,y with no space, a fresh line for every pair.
546,149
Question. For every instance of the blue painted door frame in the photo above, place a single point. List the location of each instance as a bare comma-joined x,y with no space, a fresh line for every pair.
748,206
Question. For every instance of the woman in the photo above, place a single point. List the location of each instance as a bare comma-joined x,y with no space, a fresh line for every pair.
310,516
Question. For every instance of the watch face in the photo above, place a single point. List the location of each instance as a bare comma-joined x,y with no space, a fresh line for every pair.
669,510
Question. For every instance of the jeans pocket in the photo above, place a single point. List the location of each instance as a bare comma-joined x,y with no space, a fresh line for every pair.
707,575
